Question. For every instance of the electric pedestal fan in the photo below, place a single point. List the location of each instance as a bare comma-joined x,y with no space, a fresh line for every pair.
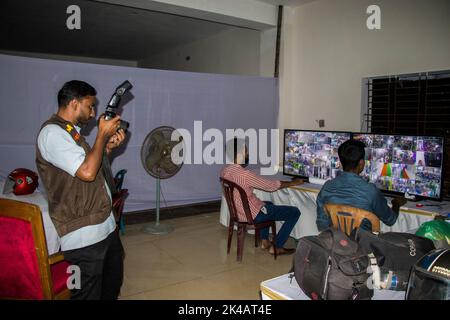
156,156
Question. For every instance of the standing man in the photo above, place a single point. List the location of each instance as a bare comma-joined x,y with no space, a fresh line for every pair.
79,198
261,211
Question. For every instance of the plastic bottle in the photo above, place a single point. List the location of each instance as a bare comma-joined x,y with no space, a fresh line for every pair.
388,280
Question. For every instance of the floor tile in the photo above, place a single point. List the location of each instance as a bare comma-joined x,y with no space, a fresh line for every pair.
191,262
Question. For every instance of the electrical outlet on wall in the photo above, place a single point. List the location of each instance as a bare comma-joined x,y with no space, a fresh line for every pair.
321,123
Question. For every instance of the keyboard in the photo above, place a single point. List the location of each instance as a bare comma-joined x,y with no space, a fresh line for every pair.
313,180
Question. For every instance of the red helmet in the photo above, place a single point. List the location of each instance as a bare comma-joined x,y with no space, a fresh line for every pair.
21,181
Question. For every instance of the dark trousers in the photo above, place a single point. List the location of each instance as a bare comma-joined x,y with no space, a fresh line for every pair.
101,266
288,214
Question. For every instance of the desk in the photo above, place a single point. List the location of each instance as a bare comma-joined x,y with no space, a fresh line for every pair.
304,198
285,287
38,198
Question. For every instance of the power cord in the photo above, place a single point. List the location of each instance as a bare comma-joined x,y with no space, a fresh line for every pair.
165,202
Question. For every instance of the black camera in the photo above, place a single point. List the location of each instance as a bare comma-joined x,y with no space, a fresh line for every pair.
113,104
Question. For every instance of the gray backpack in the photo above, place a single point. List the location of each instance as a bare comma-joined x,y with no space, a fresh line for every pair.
331,266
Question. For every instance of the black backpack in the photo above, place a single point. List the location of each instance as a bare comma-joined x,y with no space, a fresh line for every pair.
331,266
396,253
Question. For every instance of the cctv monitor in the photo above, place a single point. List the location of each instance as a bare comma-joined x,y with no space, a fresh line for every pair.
399,164
312,155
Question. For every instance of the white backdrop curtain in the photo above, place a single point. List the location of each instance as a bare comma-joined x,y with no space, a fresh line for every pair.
28,90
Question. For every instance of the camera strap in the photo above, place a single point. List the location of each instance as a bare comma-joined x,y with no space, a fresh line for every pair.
107,173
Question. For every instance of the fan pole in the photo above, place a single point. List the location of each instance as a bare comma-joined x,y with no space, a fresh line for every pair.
158,228
158,199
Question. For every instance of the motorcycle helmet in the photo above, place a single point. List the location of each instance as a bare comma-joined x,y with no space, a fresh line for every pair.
430,277
21,181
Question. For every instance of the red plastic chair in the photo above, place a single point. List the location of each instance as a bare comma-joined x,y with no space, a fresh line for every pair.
228,188
26,269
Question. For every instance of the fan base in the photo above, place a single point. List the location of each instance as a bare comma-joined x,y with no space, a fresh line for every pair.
158,229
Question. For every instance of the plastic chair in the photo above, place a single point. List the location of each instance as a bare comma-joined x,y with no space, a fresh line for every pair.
228,188
26,269
347,218
118,180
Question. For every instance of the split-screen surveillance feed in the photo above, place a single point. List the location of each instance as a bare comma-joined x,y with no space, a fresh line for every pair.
411,164
313,154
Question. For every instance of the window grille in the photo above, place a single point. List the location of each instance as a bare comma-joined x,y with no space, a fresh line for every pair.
411,104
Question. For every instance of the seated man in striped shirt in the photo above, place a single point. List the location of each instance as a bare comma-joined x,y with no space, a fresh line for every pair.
261,211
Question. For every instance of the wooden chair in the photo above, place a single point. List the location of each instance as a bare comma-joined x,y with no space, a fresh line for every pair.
26,269
228,188
346,218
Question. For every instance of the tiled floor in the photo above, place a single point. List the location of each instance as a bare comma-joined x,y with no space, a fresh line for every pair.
191,262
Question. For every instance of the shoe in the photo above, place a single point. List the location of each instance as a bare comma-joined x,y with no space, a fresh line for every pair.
282,251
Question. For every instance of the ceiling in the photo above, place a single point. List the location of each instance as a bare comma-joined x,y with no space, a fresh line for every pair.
292,3
107,31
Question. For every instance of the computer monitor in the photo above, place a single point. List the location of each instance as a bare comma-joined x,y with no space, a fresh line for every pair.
312,154
401,164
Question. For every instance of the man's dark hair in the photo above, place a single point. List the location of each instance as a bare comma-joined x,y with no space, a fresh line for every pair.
350,153
234,147
74,89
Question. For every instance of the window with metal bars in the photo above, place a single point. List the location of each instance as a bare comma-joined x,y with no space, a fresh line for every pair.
411,104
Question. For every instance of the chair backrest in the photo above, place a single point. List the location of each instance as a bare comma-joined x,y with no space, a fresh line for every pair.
24,265
118,201
346,218
118,179
229,189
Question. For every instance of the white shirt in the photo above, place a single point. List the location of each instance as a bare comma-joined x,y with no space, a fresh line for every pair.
58,147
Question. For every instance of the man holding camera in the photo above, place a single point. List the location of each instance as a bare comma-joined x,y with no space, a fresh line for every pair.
79,198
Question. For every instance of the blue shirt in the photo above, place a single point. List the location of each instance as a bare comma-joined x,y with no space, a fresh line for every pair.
350,189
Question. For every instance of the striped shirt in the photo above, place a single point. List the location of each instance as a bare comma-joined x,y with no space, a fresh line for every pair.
248,180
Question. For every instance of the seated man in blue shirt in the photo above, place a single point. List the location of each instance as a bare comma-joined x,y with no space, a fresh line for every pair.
350,189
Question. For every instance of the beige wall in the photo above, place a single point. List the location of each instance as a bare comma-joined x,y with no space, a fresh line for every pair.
235,51
267,52
327,50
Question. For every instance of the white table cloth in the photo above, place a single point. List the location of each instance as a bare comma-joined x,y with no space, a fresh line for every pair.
40,199
304,198
285,287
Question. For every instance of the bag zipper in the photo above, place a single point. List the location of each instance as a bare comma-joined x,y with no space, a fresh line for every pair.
325,288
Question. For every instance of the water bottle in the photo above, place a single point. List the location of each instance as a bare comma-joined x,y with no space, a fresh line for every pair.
388,280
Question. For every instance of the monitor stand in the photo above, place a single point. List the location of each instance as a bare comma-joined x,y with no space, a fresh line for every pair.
407,196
